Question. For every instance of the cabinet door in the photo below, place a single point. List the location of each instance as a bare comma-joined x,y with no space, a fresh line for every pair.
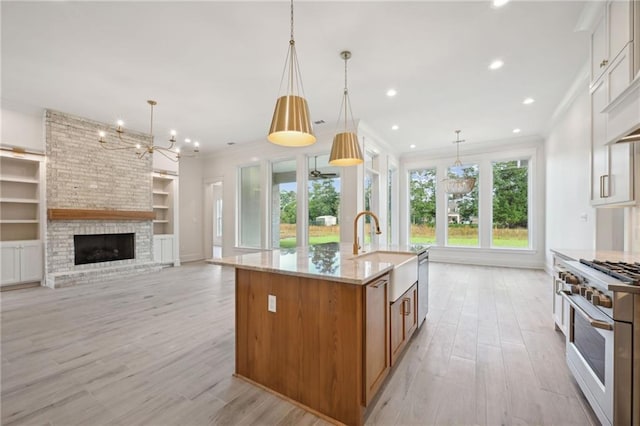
157,249
619,26
620,73
599,48
31,262
167,250
410,311
10,262
396,314
377,358
619,181
599,151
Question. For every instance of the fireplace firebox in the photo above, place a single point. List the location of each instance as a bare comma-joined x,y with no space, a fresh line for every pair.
98,248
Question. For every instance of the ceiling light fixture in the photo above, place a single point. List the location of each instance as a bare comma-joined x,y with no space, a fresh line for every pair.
172,152
516,130
291,125
392,92
345,150
495,65
499,3
528,101
458,184
395,127
412,146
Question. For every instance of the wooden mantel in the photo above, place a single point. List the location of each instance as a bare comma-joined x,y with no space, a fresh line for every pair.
81,214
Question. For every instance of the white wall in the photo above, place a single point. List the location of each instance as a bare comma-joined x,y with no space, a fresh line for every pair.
191,209
22,126
571,221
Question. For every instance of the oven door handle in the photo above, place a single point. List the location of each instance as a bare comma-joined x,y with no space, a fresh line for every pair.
603,325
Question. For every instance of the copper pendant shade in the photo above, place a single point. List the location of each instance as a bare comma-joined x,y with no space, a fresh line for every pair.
345,150
291,125
291,122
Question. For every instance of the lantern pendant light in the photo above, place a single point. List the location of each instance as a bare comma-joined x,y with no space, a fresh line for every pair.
460,184
291,124
345,150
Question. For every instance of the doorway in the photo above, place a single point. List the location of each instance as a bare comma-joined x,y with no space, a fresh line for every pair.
216,192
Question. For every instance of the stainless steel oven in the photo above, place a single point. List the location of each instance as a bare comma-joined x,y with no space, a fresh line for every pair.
590,355
600,341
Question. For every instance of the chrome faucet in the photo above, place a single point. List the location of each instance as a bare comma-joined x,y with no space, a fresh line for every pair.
356,242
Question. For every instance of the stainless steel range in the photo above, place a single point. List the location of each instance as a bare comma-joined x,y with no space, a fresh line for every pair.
601,318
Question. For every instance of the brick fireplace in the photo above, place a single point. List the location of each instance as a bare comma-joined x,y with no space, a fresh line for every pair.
83,176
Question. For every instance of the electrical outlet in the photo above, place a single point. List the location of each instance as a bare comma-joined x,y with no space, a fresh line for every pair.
272,303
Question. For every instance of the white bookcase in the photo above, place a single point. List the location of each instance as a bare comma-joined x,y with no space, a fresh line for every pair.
22,217
165,208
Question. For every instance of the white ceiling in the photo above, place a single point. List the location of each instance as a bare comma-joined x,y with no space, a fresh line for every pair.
215,67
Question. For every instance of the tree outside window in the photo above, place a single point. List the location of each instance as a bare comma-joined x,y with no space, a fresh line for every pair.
510,204
422,203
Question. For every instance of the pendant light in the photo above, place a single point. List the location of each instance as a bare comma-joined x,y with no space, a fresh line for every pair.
345,150
291,125
459,184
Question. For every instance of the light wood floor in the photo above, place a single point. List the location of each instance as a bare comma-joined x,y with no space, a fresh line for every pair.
159,350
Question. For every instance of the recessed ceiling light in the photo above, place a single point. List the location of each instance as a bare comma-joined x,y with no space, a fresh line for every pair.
187,140
412,146
395,127
391,92
528,101
497,64
516,130
499,3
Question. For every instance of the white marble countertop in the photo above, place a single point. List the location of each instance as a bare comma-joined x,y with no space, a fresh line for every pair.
333,261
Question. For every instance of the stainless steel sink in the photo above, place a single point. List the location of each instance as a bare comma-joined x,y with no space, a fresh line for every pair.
404,273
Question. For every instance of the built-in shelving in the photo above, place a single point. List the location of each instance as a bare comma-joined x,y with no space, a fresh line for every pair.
163,198
165,210
21,217
19,197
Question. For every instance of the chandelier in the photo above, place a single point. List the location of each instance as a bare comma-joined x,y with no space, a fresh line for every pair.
172,152
345,150
458,184
291,124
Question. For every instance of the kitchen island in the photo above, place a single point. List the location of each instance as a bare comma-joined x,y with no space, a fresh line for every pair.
313,325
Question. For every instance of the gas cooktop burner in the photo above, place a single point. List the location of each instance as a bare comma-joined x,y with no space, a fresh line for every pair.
629,273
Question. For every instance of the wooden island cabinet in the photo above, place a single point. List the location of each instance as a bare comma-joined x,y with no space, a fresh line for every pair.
326,346
315,325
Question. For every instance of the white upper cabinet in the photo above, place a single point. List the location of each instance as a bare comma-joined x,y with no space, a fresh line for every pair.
620,26
612,71
611,34
598,48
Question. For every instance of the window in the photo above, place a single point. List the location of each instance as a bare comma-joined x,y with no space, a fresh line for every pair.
422,199
249,207
283,204
510,204
391,176
371,193
462,210
324,201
